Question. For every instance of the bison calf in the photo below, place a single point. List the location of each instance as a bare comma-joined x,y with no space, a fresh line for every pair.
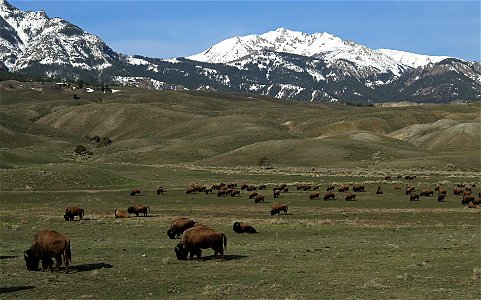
72,211
46,245
241,227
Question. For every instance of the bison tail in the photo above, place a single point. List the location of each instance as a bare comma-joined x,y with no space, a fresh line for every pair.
82,213
225,241
67,254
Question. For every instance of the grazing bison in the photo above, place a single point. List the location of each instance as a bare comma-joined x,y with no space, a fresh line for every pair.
120,213
350,196
262,187
221,192
46,245
379,190
251,188
343,188
414,197
358,188
235,192
458,191
316,187
241,227
426,193
467,199
409,189
330,188
197,238
410,177
329,196
277,193
135,192
160,190
137,209
441,197
259,198
314,195
277,208
178,226
442,192
253,195
218,186
72,211
207,191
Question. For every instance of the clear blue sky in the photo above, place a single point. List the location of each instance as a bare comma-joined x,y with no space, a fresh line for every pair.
180,28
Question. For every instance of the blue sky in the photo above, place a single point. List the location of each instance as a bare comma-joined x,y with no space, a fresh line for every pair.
180,28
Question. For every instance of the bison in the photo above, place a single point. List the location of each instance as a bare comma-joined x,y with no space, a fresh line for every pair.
467,199
458,191
235,192
314,195
46,245
251,188
343,188
241,227
197,238
160,190
358,188
441,197
135,192
330,188
409,189
379,190
277,208
350,196
178,226
120,213
262,187
426,193
137,209
72,211
253,195
259,198
277,193
414,197
329,195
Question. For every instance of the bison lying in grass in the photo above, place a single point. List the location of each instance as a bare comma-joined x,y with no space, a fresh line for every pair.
241,227
200,237
120,213
46,245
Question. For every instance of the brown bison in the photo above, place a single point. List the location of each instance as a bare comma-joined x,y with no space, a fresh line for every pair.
350,196
120,213
241,227
414,197
442,191
316,187
259,198
409,189
277,193
135,192
467,198
426,193
160,190
72,211
458,191
473,205
218,186
235,192
197,238
207,191
387,177
358,188
329,196
253,195
314,195
251,188
410,177
330,188
441,197
262,187
343,188
379,190
178,226
137,209
46,245
277,208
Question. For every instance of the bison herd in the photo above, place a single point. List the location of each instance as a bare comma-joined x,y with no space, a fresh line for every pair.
49,244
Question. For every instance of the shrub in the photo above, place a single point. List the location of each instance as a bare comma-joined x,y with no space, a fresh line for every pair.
80,149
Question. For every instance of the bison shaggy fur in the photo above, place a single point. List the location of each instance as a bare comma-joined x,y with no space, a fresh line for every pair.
242,227
178,226
120,213
72,211
201,237
46,245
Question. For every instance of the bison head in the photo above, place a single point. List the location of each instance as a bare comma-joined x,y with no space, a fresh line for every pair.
236,227
66,217
181,252
273,212
171,234
130,210
31,260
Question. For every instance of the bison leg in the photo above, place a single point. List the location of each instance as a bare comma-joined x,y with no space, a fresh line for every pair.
58,263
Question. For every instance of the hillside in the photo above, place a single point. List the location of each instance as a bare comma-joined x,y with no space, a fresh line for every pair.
43,123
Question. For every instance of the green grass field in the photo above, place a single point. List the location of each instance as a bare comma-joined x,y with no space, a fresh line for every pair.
377,247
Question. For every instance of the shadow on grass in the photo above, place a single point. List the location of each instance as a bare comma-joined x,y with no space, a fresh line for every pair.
89,267
12,289
226,257
7,256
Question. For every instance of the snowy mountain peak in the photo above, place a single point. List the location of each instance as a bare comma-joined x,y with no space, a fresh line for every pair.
411,59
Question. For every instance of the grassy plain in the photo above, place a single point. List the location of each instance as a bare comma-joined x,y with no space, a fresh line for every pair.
377,247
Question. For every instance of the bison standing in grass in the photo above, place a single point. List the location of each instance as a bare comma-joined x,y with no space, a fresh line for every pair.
178,226
427,193
314,195
160,190
259,198
138,209
46,245
241,227
135,192
343,188
358,188
277,208
72,211
413,197
350,196
329,196
253,195
201,237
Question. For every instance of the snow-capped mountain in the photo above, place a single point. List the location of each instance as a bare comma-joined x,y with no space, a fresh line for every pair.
32,38
280,63
318,45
